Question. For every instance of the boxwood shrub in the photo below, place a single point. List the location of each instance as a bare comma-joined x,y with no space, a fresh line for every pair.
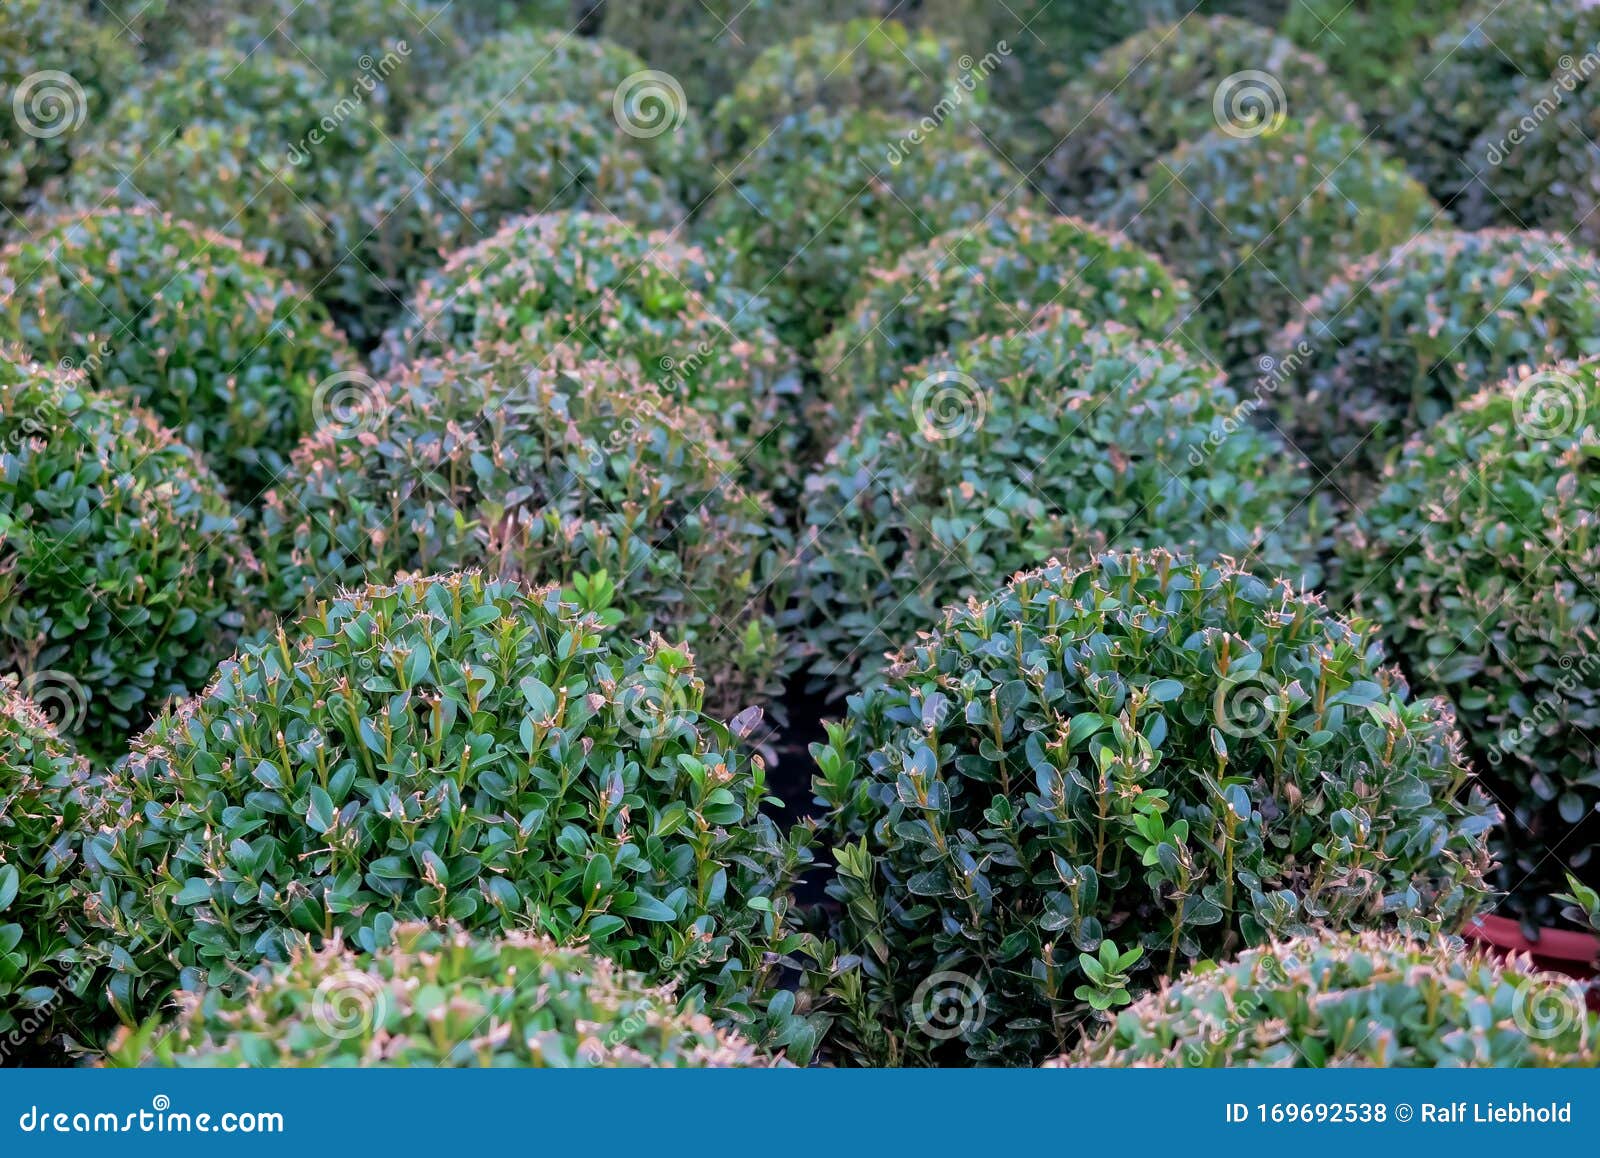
581,474
42,781
1069,437
451,748
821,195
220,348
615,291
460,172
858,64
1394,340
440,999
1074,789
59,73
1258,224
1371,46
256,146
1171,84
995,275
122,568
1474,71
1373,1000
1474,556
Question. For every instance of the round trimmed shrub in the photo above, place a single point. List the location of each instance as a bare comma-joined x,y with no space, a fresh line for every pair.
456,175
1172,84
451,748
1070,437
581,474
220,348
59,74
1388,346
1474,557
993,276
859,64
440,999
1374,1000
122,567
821,195
1259,224
41,782
1371,45
1474,72
614,291
1080,786
256,146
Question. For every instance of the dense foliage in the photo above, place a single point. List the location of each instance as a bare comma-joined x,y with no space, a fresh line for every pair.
122,568
1474,558
42,782
583,475
822,195
1371,46
1368,1001
1169,85
256,146
449,748
1066,438
997,274
1077,787
860,64
220,348
1391,343
614,291
441,1000
59,75
1258,224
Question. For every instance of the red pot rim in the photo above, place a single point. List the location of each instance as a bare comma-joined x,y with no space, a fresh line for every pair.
1552,945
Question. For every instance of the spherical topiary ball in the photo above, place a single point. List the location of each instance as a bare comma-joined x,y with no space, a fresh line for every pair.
1067,438
456,175
1374,1000
583,475
220,348
122,567
858,64
256,146
614,291
451,748
59,74
997,275
1079,786
1171,84
41,783
441,999
825,198
1474,557
1388,346
1257,224
1474,72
